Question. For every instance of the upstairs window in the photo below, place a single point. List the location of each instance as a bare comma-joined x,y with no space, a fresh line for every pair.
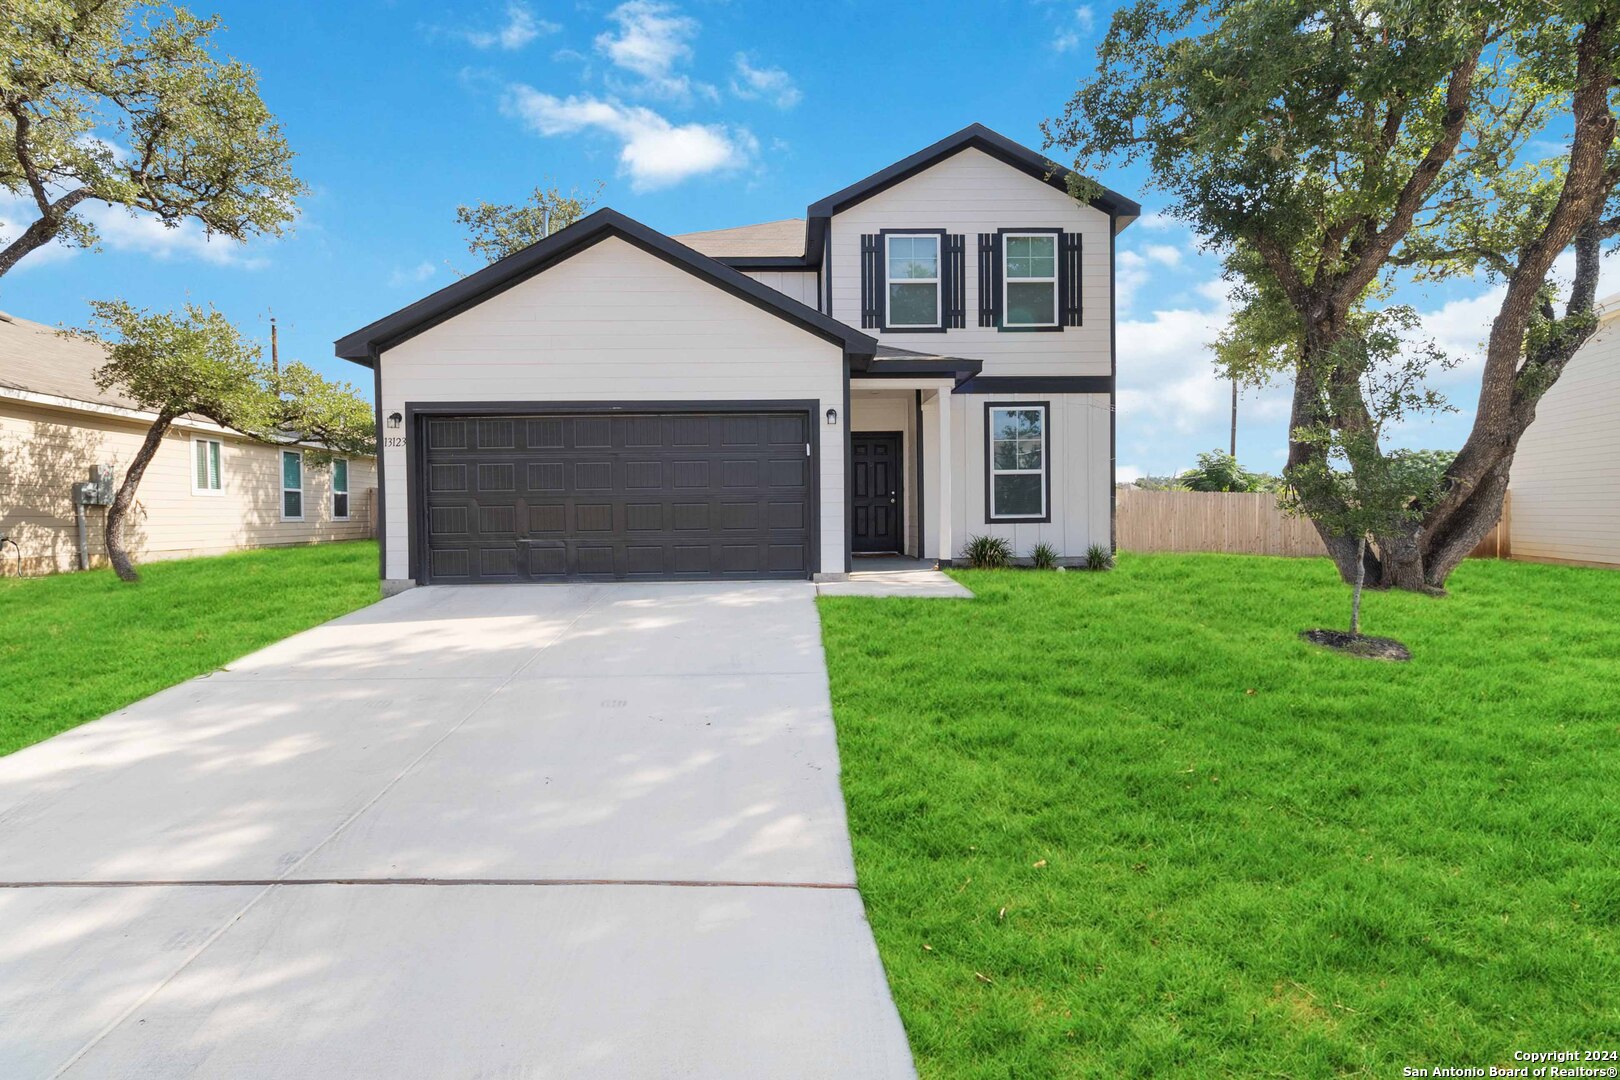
1017,468
1030,279
292,485
913,276
206,478
340,490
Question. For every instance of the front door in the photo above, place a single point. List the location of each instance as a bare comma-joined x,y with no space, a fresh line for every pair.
877,499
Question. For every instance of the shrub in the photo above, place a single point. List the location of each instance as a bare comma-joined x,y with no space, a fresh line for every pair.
987,553
1044,556
1099,558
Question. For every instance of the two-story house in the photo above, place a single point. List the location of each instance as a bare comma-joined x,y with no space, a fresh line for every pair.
928,355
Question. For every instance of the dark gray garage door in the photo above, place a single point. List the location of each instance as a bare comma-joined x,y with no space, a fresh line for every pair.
585,497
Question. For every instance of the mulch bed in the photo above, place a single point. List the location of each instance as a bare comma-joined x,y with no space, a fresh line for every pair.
1373,648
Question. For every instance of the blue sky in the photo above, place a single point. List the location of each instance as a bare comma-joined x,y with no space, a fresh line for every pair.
694,115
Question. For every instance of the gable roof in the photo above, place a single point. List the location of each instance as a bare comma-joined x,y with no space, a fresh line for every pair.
792,244
35,359
770,239
975,137
362,345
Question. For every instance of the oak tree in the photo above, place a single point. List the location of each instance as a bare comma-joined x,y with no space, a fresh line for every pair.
124,102
1327,149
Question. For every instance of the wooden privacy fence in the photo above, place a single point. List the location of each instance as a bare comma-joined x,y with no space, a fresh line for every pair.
1238,523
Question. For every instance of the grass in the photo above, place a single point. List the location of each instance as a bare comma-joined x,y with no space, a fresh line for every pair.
1128,824
77,646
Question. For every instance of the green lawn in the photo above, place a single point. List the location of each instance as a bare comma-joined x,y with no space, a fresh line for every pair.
1128,824
77,646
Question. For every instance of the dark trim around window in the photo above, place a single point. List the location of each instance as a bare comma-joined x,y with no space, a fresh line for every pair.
883,282
1001,281
990,517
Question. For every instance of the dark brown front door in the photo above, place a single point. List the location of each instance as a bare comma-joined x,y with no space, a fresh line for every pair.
878,502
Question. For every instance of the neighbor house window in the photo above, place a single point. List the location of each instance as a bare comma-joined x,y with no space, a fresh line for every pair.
1017,462
292,485
205,470
913,263
1030,279
340,490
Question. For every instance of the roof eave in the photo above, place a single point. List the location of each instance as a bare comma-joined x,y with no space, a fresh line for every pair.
364,345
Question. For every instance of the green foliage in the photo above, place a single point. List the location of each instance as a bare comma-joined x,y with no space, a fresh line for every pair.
1180,842
987,553
1099,557
74,647
191,361
496,230
1043,556
321,410
125,102
1219,471
1159,483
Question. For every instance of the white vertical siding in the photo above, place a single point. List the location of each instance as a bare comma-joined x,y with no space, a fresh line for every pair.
613,323
793,284
45,451
971,193
1566,474
1077,440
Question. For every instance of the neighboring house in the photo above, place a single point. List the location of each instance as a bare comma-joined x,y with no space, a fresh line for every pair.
1565,483
208,489
929,355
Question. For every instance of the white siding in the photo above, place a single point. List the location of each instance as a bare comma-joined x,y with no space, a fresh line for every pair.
969,193
893,410
613,323
1077,438
1566,474
790,283
45,451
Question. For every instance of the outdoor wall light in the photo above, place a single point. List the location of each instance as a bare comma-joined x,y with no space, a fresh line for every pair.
394,420
832,417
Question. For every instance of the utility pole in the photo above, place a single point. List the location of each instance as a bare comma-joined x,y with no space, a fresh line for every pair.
275,353
1233,450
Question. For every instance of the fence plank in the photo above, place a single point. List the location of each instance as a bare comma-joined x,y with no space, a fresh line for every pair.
1239,523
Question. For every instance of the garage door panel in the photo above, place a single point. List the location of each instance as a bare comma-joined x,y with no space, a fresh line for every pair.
679,495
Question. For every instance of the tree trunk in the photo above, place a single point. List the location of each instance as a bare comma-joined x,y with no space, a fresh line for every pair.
1401,556
1355,589
119,510
45,229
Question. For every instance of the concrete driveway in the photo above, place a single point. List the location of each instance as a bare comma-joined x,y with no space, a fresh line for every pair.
505,831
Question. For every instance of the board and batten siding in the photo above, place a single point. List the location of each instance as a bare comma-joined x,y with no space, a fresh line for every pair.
615,324
972,193
794,284
1077,441
44,451
1566,473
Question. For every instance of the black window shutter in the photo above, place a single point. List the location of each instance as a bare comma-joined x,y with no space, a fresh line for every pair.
989,279
1069,280
955,281
871,281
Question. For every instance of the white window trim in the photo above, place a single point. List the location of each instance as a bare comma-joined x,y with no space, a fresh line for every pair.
220,476
1046,460
1008,280
937,281
347,469
303,503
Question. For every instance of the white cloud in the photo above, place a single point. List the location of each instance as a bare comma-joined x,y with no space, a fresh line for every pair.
1079,26
1163,254
413,276
521,27
654,153
1157,219
772,84
652,40
1126,474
